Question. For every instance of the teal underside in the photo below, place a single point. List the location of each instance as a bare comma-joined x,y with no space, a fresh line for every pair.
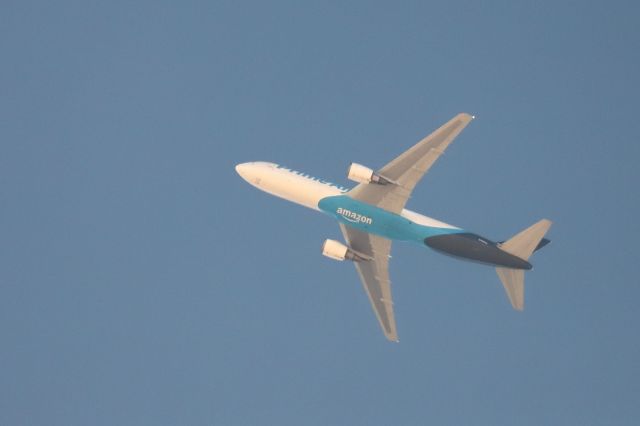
375,220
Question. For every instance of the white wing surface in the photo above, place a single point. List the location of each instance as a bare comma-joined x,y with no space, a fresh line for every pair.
374,275
406,170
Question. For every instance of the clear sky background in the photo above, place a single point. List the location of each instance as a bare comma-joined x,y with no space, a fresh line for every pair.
142,282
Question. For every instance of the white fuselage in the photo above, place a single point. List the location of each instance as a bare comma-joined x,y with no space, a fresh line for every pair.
306,190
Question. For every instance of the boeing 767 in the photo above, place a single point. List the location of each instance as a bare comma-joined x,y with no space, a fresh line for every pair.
372,215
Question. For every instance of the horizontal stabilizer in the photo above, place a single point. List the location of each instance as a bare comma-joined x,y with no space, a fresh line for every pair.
513,282
524,243
543,242
521,245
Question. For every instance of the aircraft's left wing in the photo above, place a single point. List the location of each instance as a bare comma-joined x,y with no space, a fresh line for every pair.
374,275
407,169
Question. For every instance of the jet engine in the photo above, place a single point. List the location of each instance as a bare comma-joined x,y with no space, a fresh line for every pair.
361,174
338,251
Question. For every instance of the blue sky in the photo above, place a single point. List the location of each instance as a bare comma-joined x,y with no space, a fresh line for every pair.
143,282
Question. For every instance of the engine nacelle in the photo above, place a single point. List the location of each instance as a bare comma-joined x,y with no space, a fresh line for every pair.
361,174
338,251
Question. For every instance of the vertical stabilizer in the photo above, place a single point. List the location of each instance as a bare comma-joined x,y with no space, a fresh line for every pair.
521,245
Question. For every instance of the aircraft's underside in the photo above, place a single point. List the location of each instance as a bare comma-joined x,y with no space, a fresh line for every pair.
473,247
373,214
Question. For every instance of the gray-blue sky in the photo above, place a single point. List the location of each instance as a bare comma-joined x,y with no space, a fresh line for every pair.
143,282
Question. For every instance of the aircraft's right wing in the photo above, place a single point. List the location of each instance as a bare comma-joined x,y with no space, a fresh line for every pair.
374,275
406,170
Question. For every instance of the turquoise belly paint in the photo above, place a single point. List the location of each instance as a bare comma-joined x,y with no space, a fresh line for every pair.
375,220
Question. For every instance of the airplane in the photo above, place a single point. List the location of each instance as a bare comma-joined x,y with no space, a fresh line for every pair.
373,214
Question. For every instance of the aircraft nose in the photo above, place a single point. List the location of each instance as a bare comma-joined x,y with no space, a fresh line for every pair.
241,169
255,171
248,172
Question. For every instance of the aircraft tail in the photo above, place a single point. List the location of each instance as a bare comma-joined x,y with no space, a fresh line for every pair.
521,245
